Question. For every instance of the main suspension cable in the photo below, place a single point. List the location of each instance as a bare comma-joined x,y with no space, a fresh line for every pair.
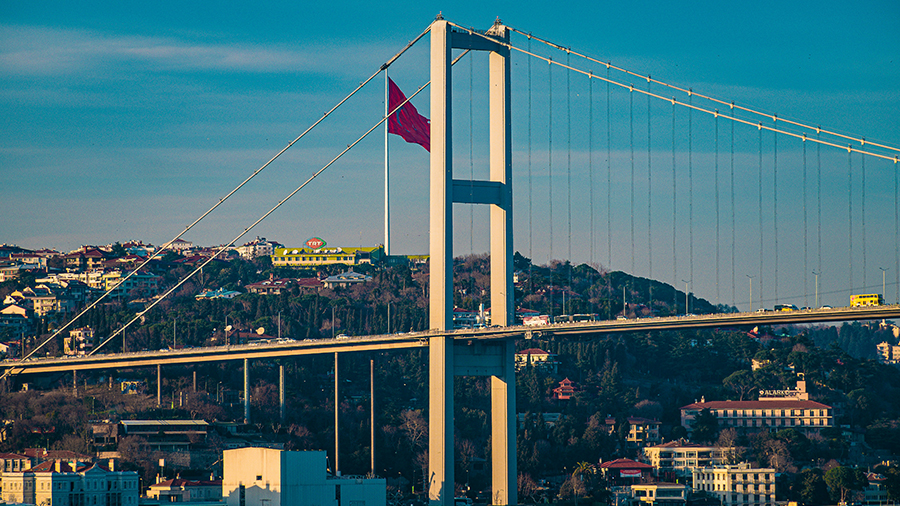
224,247
165,246
690,92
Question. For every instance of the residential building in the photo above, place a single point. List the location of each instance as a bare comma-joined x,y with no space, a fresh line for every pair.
258,247
624,472
280,478
16,317
272,286
71,484
79,342
345,279
659,494
641,431
144,282
876,493
180,246
537,357
84,258
178,490
888,353
679,458
774,410
221,293
738,485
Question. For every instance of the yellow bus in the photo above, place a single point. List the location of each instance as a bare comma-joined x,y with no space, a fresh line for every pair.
868,299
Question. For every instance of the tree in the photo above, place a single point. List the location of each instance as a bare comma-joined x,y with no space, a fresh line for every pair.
842,479
892,482
741,382
810,487
706,426
728,444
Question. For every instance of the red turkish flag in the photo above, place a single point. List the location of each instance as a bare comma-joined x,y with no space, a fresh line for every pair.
406,121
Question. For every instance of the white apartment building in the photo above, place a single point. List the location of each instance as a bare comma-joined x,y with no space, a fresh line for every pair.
680,458
273,477
738,485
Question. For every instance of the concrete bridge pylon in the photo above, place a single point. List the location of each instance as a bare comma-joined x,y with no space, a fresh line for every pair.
450,357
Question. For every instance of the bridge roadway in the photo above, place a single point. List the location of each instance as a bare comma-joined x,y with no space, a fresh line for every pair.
290,348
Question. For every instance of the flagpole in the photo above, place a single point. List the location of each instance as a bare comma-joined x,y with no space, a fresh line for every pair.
387,193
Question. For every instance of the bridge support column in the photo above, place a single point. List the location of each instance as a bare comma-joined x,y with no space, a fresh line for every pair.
281,391
477,359
246,390
504,476
158,386
440,421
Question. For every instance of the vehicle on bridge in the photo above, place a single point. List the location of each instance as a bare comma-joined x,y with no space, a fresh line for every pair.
785,307
868,299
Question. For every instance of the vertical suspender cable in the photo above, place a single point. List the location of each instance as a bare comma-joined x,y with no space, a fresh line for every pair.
591,163
896,232
530,189
775,204
733,287
674,215
649,205
471,169
717,205
569,174
690,187
850,212
550,175
608,195
761,301
819,205
805,234
863,215
631,144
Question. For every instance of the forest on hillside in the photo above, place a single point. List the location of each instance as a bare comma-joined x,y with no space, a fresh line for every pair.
649,374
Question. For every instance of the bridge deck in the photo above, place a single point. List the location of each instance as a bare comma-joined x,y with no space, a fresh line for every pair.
420,339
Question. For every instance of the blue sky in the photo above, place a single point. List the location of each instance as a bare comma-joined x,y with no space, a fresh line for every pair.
126,121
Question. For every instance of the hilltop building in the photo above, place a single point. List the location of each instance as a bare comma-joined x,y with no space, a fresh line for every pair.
538,358
316,254
778,409
79,342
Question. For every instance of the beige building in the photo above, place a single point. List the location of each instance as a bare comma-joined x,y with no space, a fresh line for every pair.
79,342
738,485
59,483
680,458
272,477
178,490
775,409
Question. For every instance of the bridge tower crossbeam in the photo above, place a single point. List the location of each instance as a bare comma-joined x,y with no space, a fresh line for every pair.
449,357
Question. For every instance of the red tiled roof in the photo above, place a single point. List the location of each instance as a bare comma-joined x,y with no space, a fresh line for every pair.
533,351
679,444
50,467
12,456
785,404
624,464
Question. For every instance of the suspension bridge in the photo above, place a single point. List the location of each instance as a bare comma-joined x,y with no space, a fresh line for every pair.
679,176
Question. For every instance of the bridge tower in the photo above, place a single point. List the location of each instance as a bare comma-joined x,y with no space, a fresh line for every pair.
449,357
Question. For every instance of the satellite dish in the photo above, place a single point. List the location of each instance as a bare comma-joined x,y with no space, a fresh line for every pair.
228,328
261,330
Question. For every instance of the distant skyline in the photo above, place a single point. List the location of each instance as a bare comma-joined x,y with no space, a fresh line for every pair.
128,121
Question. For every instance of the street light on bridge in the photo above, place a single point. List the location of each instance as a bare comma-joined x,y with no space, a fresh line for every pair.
686,307
883,270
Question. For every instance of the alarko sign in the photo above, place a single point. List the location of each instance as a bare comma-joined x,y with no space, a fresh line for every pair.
315,242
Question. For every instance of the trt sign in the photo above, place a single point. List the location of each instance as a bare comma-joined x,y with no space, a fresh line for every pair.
315,243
